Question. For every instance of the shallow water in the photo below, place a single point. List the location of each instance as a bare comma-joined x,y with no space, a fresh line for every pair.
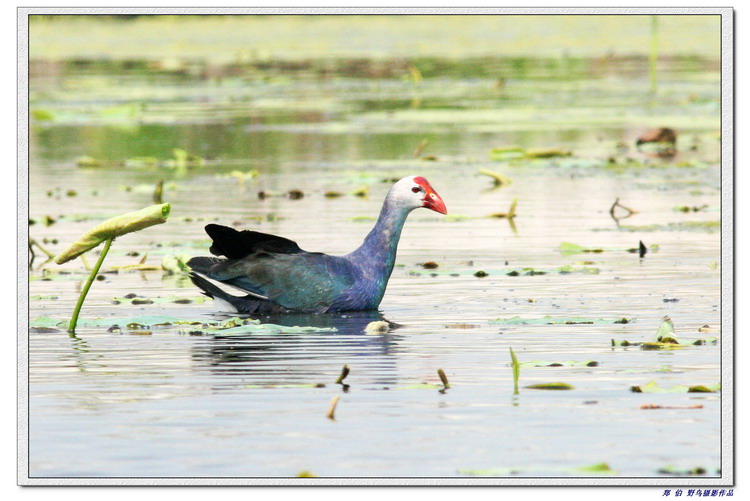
175,404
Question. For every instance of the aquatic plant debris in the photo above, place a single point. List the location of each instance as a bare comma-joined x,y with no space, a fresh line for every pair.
443,379
655,406
594,469
226,327
665,332
497,178
653,387
673,470
550,386
665,339
135,299
568,248
656,345
548,320
566,363
332,408
378,327
342,376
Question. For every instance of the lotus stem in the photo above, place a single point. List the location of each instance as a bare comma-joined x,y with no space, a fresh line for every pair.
87,286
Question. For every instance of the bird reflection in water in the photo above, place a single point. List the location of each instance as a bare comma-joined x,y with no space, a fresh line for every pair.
301,358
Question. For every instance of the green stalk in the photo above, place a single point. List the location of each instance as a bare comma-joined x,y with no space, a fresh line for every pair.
516,371
87,286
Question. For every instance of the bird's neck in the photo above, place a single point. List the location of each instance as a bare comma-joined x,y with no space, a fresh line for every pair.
377,254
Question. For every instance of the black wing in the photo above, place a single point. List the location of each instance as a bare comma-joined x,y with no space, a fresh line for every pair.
238,244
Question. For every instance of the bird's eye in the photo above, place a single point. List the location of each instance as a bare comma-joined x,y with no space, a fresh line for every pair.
416,190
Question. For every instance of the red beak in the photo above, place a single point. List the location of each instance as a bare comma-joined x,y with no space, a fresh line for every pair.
433,201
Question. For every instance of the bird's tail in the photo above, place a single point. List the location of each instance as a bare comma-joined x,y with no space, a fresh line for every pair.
249,304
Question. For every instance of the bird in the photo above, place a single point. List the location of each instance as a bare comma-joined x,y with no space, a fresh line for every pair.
274,275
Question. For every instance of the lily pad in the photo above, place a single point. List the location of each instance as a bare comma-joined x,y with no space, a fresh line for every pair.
548,320
653,387
277,386
566,363
594,469
672,470
704,226
569,248
160,299
145,322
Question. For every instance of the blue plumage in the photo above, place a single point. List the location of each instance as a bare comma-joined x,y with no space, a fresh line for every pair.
277,276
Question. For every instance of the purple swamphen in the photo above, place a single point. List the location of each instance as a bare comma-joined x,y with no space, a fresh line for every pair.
276,276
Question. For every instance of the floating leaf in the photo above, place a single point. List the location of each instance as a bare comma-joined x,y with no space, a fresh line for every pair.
505,153
662,345
550,386
227,327
596,468
653,387
87,162
159,299
567,363
172,264
282,386
672,470
707,226
361,192
665,330
571,248
548,320
420,386
547,153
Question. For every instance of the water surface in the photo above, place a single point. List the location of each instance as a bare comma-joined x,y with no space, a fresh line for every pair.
173,403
